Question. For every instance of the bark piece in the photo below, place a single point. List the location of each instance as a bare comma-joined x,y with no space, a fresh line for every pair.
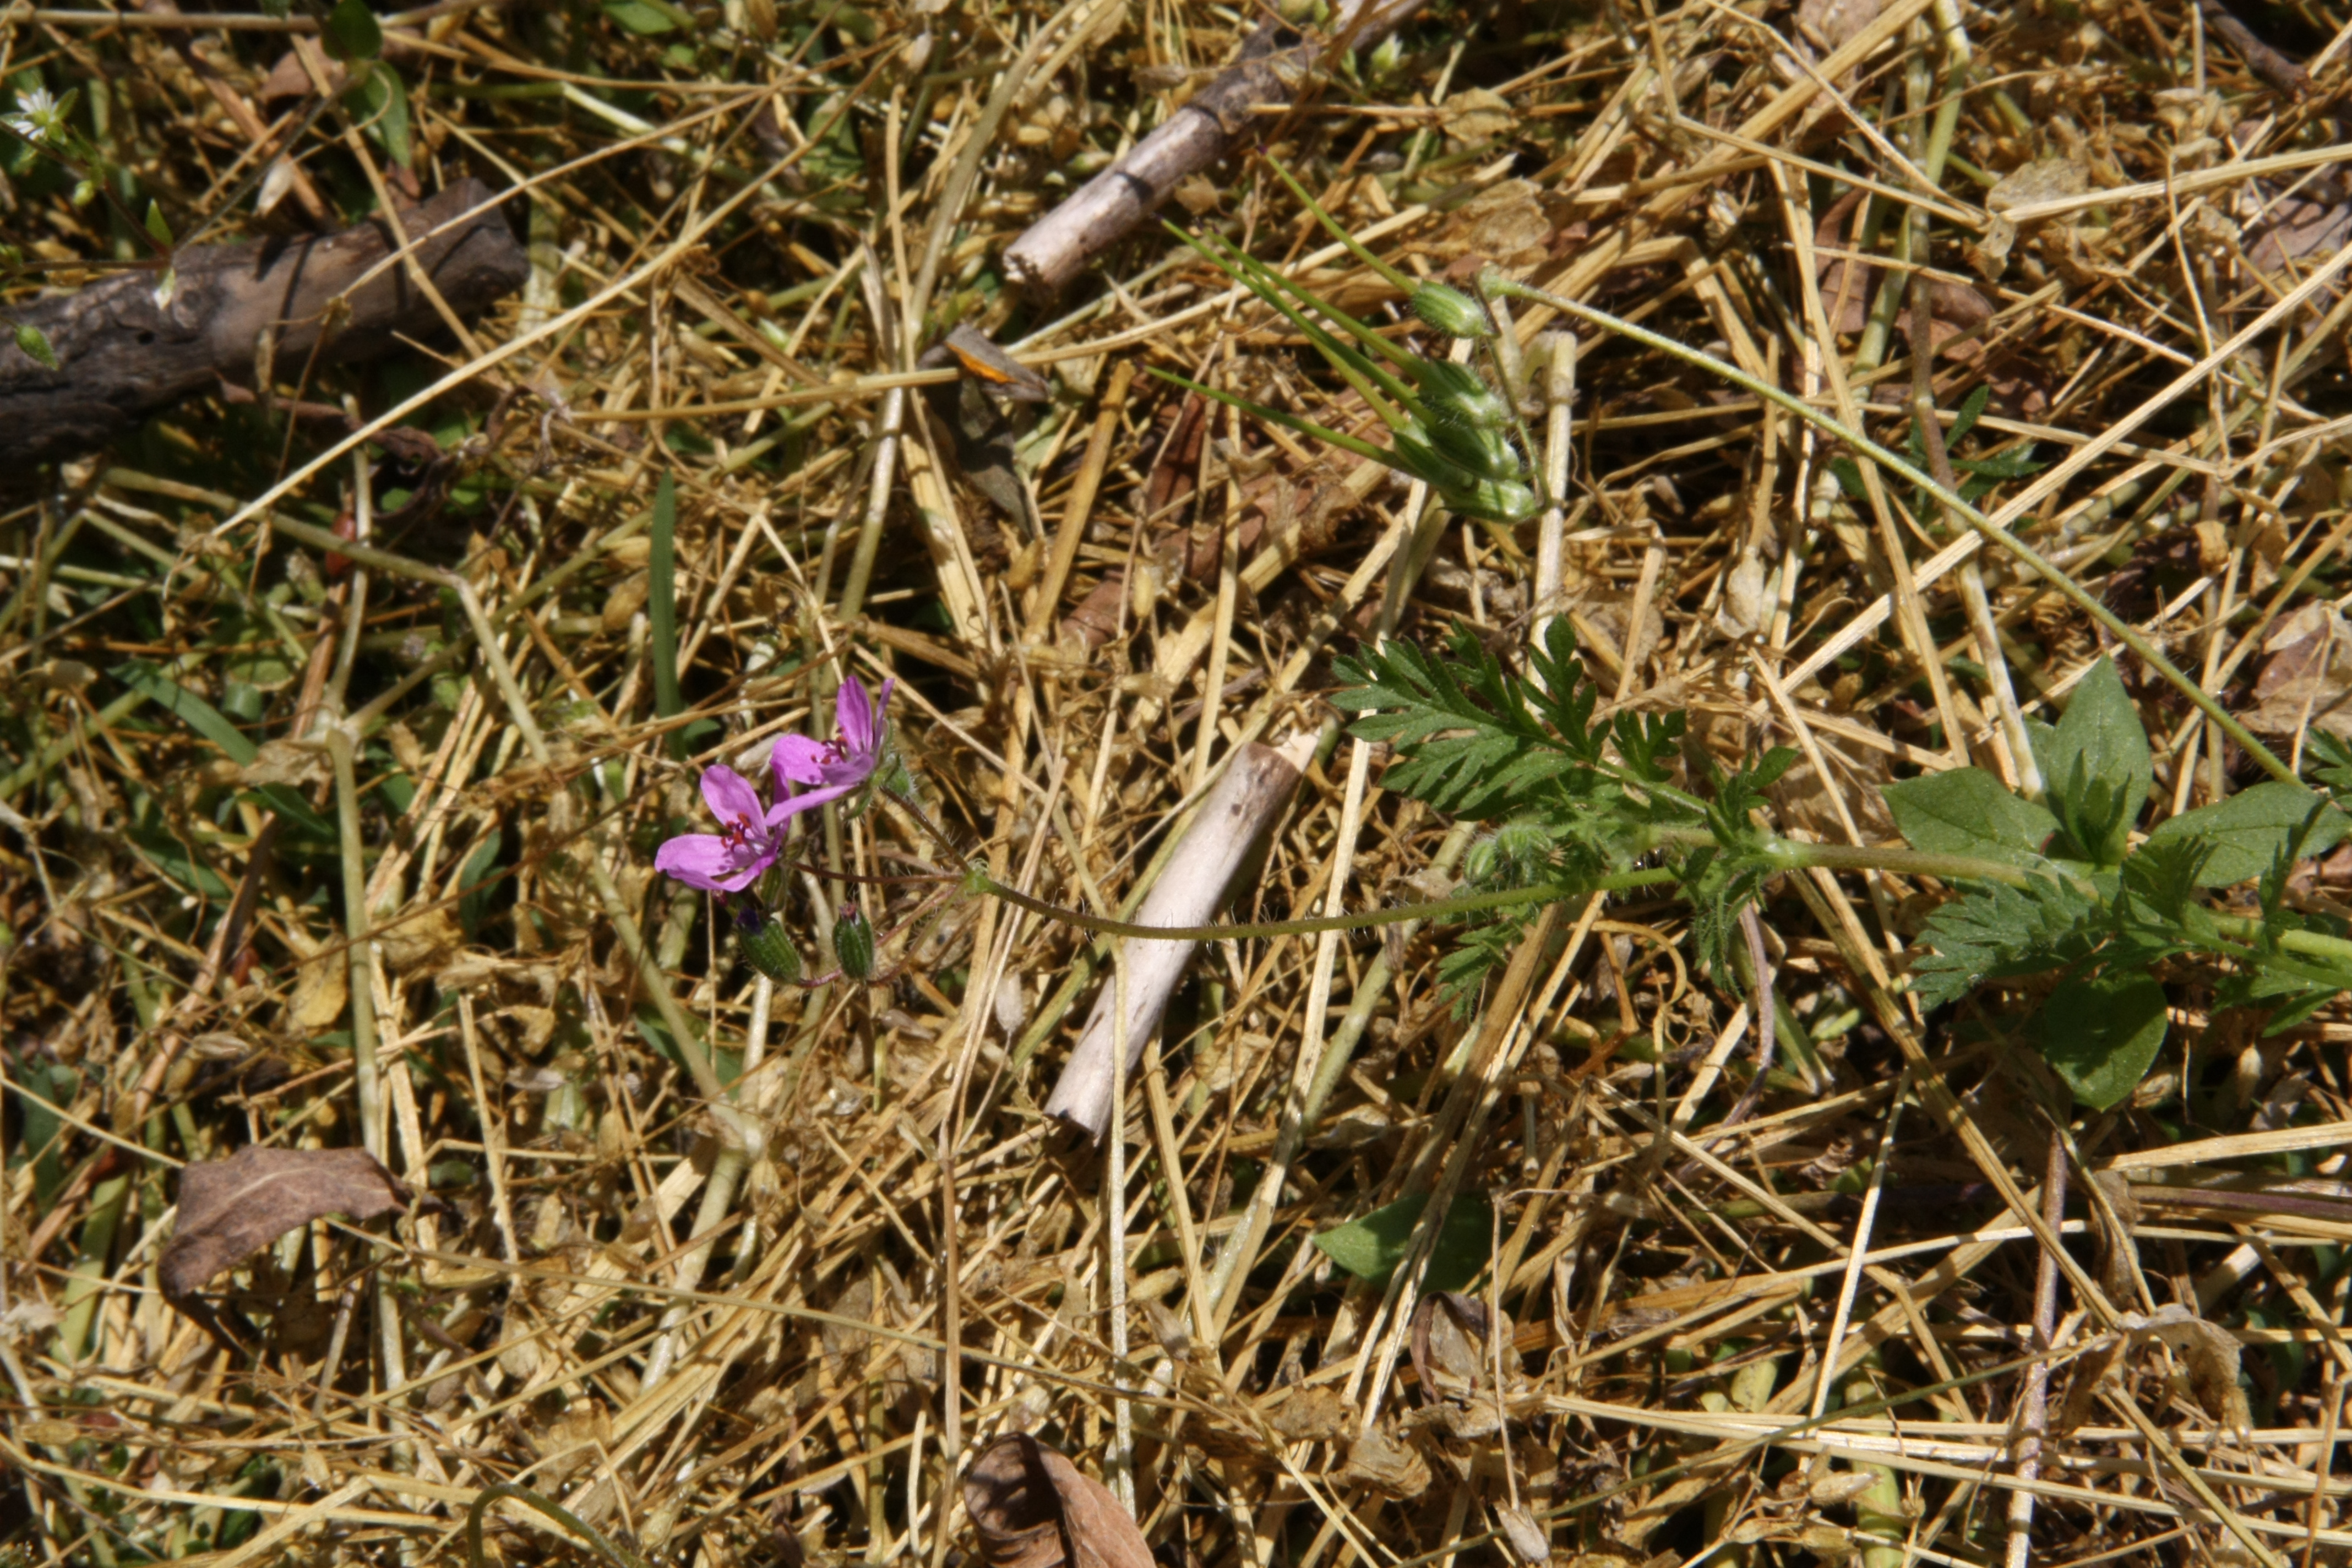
1273,67
232,1208
1033,1508
1201,875
121,358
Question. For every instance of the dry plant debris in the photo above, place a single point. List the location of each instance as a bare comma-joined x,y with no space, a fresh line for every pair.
345,707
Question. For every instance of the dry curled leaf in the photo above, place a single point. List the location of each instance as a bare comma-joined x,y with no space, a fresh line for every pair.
1033,1509
2209,1353
1314,1414
232,1208
1530,1542
295,763
1832,23
1389,1464
2306,676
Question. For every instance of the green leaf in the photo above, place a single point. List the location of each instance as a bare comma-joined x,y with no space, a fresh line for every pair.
1996,930
661,606
351,33
34,343
380,101
2245,835
2101,1035
2097,769
1371,1247
216,727
639,18
159,228
189,708
1966,811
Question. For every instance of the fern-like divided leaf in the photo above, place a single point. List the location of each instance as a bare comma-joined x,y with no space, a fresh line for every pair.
1472,738
2000,930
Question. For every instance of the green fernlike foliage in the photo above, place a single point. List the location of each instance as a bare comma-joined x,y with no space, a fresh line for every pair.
2053,892
1573,802
2099,914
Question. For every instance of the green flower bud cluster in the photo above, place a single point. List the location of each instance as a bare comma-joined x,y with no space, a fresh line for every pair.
1446,426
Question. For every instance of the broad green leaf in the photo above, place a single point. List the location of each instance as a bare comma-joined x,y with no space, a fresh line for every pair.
2097,769
2245,832
380,102
1969,812
351,32
36,345
639,18
1371,1247
2101,1035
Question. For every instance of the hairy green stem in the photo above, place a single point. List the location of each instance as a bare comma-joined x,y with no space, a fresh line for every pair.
1495,282
1508,897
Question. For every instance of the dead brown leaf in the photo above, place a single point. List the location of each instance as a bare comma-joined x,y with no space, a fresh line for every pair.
1389,1464
232,1208
1315,1414
1831,23
1033,1508
295,762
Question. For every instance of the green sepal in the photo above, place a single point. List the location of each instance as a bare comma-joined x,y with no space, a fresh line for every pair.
853,944
765,945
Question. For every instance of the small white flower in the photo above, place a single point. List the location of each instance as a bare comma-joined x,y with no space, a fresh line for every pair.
37,117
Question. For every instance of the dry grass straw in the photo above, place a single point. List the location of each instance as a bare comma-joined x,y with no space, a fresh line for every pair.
716,1329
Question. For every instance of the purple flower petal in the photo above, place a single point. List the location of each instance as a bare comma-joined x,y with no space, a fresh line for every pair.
784,810
729,795
706,861
798,759
853,710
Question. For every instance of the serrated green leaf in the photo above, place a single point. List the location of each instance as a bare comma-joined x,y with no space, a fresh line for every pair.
2097,770
1371,1247
1996,930
1966,811
2101,1035
351,32
2243,834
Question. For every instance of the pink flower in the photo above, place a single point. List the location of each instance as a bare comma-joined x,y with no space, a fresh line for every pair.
751,837
838,766
727,862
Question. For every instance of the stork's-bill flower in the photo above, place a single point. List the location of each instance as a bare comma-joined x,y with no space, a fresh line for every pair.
837,766
752,836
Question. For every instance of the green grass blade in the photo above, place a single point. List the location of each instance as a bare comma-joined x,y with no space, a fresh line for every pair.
1362,448
661,606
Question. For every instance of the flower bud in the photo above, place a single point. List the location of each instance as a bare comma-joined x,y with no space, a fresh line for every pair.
1451,311
1455,392
853,944
765,946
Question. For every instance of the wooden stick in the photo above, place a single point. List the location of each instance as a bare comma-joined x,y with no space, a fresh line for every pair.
1201,874
120,356
1272,69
